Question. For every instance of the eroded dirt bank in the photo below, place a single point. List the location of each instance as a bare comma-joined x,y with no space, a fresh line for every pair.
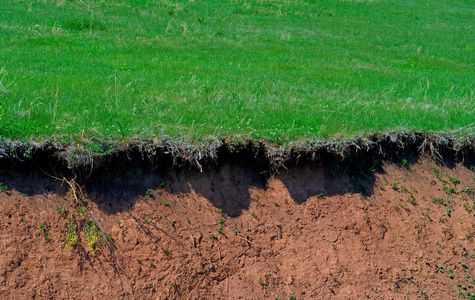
373,228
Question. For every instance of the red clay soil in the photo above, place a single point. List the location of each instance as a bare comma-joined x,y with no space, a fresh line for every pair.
305,233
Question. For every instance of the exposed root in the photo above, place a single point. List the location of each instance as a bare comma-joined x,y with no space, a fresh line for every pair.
88,222
76,190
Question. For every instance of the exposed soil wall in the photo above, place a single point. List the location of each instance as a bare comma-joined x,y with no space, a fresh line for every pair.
395,224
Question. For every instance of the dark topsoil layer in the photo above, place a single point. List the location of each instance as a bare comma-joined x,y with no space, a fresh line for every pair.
391,217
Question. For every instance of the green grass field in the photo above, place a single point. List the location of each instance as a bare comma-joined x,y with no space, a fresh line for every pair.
274,69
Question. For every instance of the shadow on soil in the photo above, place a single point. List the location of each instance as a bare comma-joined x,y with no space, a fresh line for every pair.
226,183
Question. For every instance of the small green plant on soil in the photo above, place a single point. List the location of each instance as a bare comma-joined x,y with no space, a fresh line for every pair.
455,180
447,210
43,231
404,189
467,190
92,231
438,200
149,192
464,265
467,207
165,203
93,235
71,238
451,276
119,223
166,250
449,190
404,162
148,219
220,229
213,236
334,246
396,207
221,220
3,187
428,217
335,278
437,174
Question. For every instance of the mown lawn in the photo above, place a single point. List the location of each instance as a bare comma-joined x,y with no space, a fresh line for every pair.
275,69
